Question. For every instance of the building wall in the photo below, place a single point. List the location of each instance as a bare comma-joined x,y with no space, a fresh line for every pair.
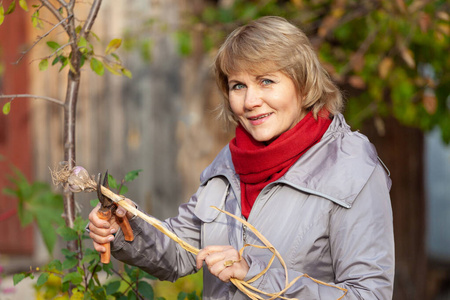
15,138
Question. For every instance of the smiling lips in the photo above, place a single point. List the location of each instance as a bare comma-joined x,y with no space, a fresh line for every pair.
259,119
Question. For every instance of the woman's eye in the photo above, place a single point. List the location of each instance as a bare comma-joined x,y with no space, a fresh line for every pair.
238,86
266,81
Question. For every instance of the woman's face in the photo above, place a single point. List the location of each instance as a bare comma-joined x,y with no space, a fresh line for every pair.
265,105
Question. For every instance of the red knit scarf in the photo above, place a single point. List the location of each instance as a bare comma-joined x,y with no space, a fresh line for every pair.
258,164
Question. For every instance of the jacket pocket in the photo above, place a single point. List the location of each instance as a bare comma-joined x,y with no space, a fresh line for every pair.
214,227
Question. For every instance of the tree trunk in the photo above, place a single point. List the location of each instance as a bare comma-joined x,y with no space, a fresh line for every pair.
401,149
73,85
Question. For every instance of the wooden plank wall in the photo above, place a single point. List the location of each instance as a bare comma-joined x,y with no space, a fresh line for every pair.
159,121
15,136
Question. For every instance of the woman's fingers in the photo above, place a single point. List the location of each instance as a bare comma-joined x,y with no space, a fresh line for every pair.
223,262
122,211
101,231
96,221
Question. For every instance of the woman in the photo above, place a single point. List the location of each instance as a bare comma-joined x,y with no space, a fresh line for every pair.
295,171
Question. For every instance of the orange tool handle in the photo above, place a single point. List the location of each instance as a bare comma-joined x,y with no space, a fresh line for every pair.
126,228
105,257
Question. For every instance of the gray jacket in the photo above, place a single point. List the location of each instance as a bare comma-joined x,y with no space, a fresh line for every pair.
329,217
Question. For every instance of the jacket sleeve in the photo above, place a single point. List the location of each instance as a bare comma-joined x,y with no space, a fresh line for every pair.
362,248
156,253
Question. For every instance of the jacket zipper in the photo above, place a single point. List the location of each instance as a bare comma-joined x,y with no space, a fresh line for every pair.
244,234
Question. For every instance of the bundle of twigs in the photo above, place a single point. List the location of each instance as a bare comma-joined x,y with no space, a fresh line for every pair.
79,180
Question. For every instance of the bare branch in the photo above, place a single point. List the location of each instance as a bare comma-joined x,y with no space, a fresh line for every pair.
54,11
91,18
12,97
63,3
40,39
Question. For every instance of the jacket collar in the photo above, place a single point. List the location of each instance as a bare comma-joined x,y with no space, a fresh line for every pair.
336,168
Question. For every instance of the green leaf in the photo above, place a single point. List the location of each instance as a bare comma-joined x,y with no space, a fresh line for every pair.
146,50
69,263
192,296
35,20
113,45
55,265
56,60
107,268
94,202
112,287
82,44
43,65
54,45
67,253
184,42
48,232
127,73
18,278
116,57
88,258
94,35
146,290
182,296
112,182
123,190
23,4
131,295
7,108
42,279
64,61
11,7
113,68
97,66
79,224
68,234
74,277
132,175
2,14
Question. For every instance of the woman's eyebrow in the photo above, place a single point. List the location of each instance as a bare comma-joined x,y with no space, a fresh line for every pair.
234,81
265,75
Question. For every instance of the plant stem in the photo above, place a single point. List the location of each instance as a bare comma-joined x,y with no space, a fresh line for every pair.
56,101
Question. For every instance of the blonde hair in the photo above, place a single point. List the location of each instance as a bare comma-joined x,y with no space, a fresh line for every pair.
272,44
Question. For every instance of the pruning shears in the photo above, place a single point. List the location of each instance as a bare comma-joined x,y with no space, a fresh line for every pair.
106,211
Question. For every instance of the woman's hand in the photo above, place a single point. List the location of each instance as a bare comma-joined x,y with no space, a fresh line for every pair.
101,231
223,262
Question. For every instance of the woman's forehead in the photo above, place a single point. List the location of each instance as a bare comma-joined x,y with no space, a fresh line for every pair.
252,68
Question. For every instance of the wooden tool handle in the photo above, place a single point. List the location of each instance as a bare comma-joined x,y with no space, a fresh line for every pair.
126,228
105,257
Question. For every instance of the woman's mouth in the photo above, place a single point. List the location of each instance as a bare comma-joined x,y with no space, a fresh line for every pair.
256,120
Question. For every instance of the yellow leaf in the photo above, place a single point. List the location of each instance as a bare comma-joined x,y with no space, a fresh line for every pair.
407,56
127,73
385,66
114,69
2,14
7,108
77,295
297,3
113,46
379,125
23,4
443,15
72,68
357,82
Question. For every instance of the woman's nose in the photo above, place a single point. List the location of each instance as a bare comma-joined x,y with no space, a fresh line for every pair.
252,99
